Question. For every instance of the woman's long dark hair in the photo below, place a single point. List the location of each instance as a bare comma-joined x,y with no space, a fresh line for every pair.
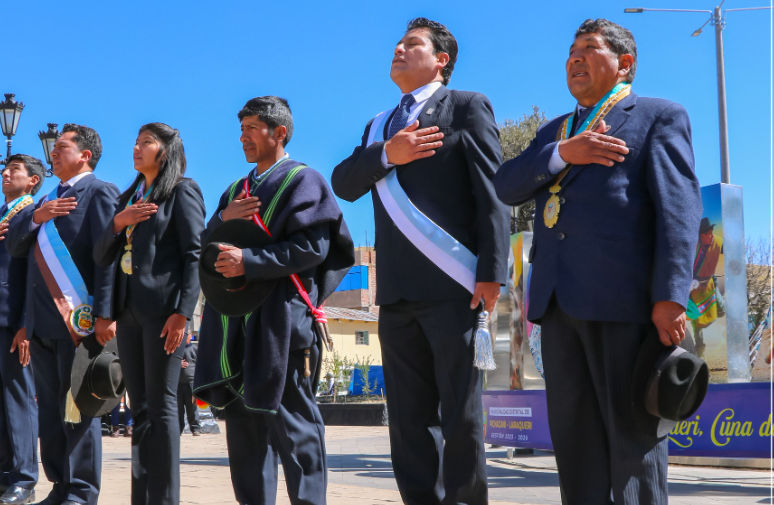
171,158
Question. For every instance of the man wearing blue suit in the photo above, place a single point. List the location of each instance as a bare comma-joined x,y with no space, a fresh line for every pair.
618,209
81,208
22,177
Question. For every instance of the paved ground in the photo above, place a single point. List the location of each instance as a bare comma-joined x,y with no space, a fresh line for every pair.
361,473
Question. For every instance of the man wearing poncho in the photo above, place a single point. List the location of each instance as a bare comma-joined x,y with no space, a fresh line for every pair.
256,366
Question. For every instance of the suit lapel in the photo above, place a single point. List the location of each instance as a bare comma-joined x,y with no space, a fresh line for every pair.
79,187
432,107
620,113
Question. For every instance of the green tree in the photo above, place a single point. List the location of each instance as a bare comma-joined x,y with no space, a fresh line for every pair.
515,136
364,365
341,369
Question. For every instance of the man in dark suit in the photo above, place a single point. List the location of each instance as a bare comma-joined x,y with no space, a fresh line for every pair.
22,177
82,207
443,147
618,207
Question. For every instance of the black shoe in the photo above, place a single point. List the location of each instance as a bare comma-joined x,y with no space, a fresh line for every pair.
49,500
70,502
18,494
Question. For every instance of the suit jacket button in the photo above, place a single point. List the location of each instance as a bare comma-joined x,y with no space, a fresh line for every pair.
34,284
136,267
562,201
541,177
561,236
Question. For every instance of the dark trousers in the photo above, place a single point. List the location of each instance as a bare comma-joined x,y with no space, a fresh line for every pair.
71,453
186,407
18,417
434,402
588,368
258,441
151,376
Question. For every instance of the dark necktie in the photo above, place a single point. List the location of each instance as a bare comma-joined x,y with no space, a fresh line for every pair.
401,116
581,115
60,190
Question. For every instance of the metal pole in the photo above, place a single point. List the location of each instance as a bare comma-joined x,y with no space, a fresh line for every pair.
725,169
9,147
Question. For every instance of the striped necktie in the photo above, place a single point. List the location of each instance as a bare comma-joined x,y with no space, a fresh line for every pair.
401,115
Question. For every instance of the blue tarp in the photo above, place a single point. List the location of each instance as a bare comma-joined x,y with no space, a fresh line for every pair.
374,374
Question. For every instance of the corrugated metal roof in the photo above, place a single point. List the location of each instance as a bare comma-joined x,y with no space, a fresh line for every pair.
352,314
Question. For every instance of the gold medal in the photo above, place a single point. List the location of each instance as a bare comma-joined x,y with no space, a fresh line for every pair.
551,212
126,260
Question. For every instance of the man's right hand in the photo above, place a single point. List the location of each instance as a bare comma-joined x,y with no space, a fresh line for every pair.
3,230
20,341
593,147
241,207
410,144
54,208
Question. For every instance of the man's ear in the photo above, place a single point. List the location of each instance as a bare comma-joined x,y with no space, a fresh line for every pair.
34,180
86,155
280,133
442,59
625,63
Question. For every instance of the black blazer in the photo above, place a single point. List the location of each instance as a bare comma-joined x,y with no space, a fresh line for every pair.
13,280
165,258
453,188
79,231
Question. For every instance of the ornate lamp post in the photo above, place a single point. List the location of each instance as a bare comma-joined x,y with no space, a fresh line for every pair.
10,112
48,139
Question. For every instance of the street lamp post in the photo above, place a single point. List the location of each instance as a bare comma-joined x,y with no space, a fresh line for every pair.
48,139
718,19
10,112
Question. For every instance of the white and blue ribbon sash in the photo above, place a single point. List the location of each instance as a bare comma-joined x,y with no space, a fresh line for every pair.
453,258
61,264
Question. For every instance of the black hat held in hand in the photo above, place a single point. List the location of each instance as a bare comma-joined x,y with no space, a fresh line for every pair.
97,383
233,296
669,385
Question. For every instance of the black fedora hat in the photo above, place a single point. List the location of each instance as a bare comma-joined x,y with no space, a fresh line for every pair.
669,384
233,296
705,225
97,383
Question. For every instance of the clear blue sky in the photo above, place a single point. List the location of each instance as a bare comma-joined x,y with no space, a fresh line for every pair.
117,65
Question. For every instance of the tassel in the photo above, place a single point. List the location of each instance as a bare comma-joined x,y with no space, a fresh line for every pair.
307,368
72,414
484,358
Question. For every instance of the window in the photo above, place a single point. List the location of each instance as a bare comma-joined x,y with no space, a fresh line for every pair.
361,338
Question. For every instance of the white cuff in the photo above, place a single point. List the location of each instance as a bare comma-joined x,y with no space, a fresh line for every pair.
556,164
33,225
385,163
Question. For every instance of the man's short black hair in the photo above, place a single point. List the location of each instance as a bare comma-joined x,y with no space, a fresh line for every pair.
87,139
272,110
443,42
34,167
619,39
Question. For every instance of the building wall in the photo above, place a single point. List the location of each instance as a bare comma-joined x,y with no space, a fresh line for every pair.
343,336
359,299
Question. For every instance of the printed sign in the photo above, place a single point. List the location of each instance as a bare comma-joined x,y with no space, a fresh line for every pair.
733,422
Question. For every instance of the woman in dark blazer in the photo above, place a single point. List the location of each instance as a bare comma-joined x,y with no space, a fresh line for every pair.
155,236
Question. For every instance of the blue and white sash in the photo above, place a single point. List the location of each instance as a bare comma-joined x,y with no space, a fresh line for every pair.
437,245
63,280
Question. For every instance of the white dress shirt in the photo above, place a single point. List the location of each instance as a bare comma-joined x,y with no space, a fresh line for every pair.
421,96
71,182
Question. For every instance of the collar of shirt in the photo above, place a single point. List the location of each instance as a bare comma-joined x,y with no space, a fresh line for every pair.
421,95
71,182
258,177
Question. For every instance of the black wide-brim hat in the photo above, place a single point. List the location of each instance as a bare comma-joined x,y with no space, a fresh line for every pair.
235,296
669,384
96,380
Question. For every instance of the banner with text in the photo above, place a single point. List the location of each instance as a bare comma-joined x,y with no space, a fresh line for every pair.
733,422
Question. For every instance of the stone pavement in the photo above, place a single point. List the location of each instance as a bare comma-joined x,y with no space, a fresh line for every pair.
360,473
